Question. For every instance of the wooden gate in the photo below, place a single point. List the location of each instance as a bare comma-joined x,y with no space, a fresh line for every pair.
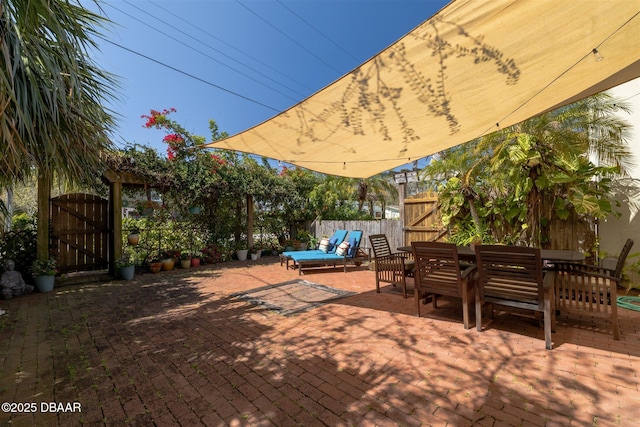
80,232
422,219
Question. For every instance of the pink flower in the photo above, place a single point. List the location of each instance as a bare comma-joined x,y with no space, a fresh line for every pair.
173,139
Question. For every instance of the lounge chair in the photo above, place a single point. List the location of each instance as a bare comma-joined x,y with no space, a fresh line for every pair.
330,248
348,252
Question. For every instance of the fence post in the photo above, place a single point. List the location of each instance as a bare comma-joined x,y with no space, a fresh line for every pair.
402,193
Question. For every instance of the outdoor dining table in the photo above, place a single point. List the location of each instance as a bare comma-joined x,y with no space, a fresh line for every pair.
466,253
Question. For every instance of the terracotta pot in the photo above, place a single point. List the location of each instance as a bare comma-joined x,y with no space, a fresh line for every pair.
168,264
195,262
155,267
133,239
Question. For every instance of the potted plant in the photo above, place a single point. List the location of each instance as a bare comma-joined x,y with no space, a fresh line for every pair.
155,264
134,235
305,238
289,245
44,273
275,249
195,258
185,259
127,266
211,254
255,252
169,259
242,250
313,241
147,207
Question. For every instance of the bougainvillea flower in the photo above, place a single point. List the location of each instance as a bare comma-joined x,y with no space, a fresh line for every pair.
173,139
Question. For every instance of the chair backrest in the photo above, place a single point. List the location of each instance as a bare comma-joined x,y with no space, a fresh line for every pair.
622,258
380,245
337,238
437,267
513,273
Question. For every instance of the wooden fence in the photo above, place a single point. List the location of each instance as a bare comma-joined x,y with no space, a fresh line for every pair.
391,227
422,223
80,232
422,220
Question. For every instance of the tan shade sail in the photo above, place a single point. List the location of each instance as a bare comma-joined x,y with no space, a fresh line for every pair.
475,67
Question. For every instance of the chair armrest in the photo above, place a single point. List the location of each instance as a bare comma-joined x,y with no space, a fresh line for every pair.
392,257
400,255
549,279
468,271
587,270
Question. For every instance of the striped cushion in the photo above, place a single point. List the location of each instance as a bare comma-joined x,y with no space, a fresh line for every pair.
324,245
342,249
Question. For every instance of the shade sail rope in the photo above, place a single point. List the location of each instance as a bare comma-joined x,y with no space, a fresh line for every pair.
629,302
559,76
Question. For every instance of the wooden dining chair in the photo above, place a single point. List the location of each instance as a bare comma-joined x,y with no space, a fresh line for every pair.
591,289
438,272
390,267
513,276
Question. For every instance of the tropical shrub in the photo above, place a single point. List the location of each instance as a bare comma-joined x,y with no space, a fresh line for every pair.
20,244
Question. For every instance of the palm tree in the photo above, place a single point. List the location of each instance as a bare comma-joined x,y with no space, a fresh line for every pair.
461,167
380,188
52,97
366,190
554,151
518,180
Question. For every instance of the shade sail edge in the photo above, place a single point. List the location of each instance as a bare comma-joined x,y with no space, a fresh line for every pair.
459,75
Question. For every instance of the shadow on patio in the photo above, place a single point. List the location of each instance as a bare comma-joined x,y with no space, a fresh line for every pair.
177,348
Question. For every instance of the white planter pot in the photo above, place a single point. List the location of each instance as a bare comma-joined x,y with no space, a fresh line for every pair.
242,254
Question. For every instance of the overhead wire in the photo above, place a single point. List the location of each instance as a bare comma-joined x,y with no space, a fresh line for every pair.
289,37
253,58
187,74
318,31
246,98
276,110
200,52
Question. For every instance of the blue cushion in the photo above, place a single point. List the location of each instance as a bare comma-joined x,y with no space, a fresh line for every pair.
332,244
302,256
353,249
337,238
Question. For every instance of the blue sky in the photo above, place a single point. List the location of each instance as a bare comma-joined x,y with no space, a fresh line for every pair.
239,62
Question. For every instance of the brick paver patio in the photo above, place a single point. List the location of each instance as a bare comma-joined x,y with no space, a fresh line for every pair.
175,348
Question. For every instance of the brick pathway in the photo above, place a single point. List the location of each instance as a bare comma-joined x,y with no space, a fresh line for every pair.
175,348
